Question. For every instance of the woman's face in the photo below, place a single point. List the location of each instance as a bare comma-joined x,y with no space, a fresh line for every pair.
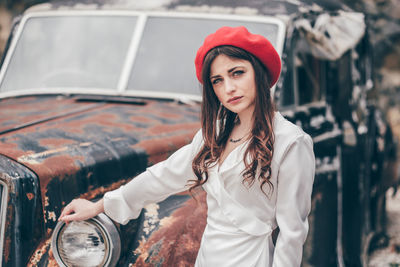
233,82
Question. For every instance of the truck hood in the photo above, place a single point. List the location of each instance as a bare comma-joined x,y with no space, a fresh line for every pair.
58,136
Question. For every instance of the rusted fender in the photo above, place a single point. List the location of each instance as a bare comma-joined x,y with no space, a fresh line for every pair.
171,232
165,234
23,225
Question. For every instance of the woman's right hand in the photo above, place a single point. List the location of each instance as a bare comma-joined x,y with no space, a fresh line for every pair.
81,209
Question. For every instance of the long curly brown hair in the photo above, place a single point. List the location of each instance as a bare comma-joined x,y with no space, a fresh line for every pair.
258,155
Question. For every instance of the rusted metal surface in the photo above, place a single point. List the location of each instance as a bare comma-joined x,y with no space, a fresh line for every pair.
171,232
63,146
43,255
24,220
166,234
88,150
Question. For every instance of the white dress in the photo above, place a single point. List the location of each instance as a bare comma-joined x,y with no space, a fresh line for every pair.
240,220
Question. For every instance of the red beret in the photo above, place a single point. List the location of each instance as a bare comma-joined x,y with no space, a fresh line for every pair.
240,37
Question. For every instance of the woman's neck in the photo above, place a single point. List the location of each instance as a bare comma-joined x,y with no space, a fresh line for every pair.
246,121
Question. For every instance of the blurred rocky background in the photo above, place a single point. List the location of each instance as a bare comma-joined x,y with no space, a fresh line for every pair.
383,17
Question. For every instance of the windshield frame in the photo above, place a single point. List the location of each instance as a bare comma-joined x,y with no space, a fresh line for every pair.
142,17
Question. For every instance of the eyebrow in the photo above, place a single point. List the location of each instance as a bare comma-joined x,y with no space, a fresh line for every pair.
229,71
232,69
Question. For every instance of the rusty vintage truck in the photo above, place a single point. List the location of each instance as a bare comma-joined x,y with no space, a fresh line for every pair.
93,93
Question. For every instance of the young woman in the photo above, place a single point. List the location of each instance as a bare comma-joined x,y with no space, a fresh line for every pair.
256,167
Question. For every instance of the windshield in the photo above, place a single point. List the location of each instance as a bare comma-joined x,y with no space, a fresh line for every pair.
165,59
91,52
70,51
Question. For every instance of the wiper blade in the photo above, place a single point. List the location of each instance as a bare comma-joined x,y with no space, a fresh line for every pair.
110,99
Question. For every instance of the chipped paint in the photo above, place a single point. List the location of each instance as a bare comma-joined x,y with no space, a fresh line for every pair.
30,196
52,216
46,201
34,158
40,251
92,194
151,215
176,240
43,251
167,221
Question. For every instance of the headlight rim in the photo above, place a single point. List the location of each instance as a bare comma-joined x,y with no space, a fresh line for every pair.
110,230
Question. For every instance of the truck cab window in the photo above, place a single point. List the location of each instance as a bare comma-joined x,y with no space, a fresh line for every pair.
310,74
310,77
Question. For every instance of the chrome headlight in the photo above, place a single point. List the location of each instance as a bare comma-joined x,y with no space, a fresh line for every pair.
91,243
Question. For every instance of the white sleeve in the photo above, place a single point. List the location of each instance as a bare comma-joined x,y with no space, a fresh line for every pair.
154,185
295,182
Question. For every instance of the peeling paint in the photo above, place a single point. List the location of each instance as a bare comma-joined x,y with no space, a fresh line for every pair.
46,201
151,215
180,235
30,196
167,221
33,158
100,191
52,216
40,251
